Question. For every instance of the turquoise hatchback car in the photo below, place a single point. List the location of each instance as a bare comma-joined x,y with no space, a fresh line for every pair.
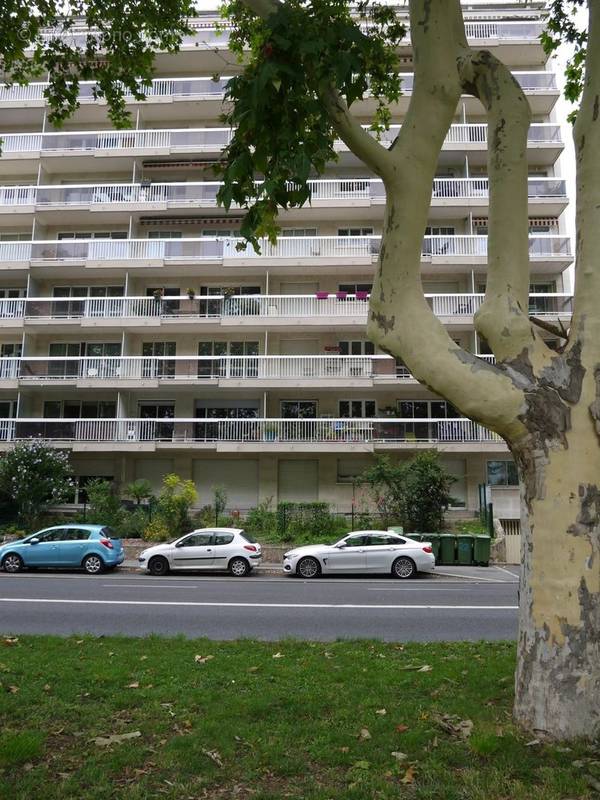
89,547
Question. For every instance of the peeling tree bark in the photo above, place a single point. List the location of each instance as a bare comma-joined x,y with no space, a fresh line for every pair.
545,404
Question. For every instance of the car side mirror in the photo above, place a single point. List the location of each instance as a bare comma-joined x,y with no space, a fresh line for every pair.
341,545
34,541
179,544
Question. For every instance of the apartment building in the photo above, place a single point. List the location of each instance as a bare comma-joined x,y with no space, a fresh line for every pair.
135,334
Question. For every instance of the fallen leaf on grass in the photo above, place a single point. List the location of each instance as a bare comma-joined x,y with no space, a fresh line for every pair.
253,669
13,689
381,712
47,687
461,728
202,659
409,776
278,655
344,749
533,743
401,728
10,641
399,756
117,738
425,668
134,685
143,658
214,756
364,734
361,765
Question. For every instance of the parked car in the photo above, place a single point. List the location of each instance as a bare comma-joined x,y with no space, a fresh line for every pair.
229,549
91,547
362,551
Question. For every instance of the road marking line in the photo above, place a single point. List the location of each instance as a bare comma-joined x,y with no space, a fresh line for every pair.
147,586
246,605
508,572
472,577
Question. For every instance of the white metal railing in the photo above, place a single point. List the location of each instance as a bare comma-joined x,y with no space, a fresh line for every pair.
205,193
217,249
278,367
320,304
209,34
330,431
201,87
213,139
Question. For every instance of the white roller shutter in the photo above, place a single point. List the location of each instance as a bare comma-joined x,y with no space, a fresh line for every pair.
153,470
298,480
239,477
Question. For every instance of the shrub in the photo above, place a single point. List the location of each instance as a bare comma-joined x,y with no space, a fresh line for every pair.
104,505
219,501
33,477
134,524
414,493
298,521
157,530
173,505
139,490
262,520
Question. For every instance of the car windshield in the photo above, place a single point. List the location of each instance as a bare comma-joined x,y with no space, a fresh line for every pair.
248,537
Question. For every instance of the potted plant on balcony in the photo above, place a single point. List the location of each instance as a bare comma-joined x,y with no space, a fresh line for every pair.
270,431
158,294
191,293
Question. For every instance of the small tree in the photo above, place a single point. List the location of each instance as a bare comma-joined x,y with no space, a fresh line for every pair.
139,490
172,515
104,504
415,493
33,477
219,501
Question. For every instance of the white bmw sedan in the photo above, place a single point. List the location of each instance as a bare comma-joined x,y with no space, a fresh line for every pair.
362,552
229,549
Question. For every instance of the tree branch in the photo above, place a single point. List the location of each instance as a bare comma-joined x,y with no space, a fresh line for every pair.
503,318
586,319
401,321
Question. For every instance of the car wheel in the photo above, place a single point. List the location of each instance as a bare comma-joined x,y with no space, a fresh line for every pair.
239,567
404,568
93,564
158,566
13,563
308,567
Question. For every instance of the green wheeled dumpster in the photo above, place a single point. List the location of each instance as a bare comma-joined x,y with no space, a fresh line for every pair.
464,549
396,529
416,537
434,538
481,550
447,548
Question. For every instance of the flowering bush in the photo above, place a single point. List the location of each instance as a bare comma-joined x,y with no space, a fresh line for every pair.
33,477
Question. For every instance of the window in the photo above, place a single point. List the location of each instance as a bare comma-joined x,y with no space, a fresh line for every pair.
75,535
349,469
83,409
15,237
10,350
92,235
298,409
165,235
502,473
54,535
223,538
368,231
356,541
383,541
356,348
79,495
298,232
353,288
11,293
158,365
357,409
196,540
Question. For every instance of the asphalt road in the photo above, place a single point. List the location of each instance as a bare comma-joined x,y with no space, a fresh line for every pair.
268,608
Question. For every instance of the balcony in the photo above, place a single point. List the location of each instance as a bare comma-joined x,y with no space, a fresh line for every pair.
253,434
552,253
545,143
161,93
259,311
222,370
449,195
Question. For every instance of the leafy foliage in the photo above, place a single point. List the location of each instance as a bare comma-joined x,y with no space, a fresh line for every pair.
282,130
33,477
171,516
562,29
413,493
116,52
105,506
139,490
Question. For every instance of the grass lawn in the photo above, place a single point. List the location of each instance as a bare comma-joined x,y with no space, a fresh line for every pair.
351,720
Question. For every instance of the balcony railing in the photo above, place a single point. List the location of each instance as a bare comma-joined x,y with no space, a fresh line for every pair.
329,431
217,249
205,193
325,305
186,368
210,139
207,88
